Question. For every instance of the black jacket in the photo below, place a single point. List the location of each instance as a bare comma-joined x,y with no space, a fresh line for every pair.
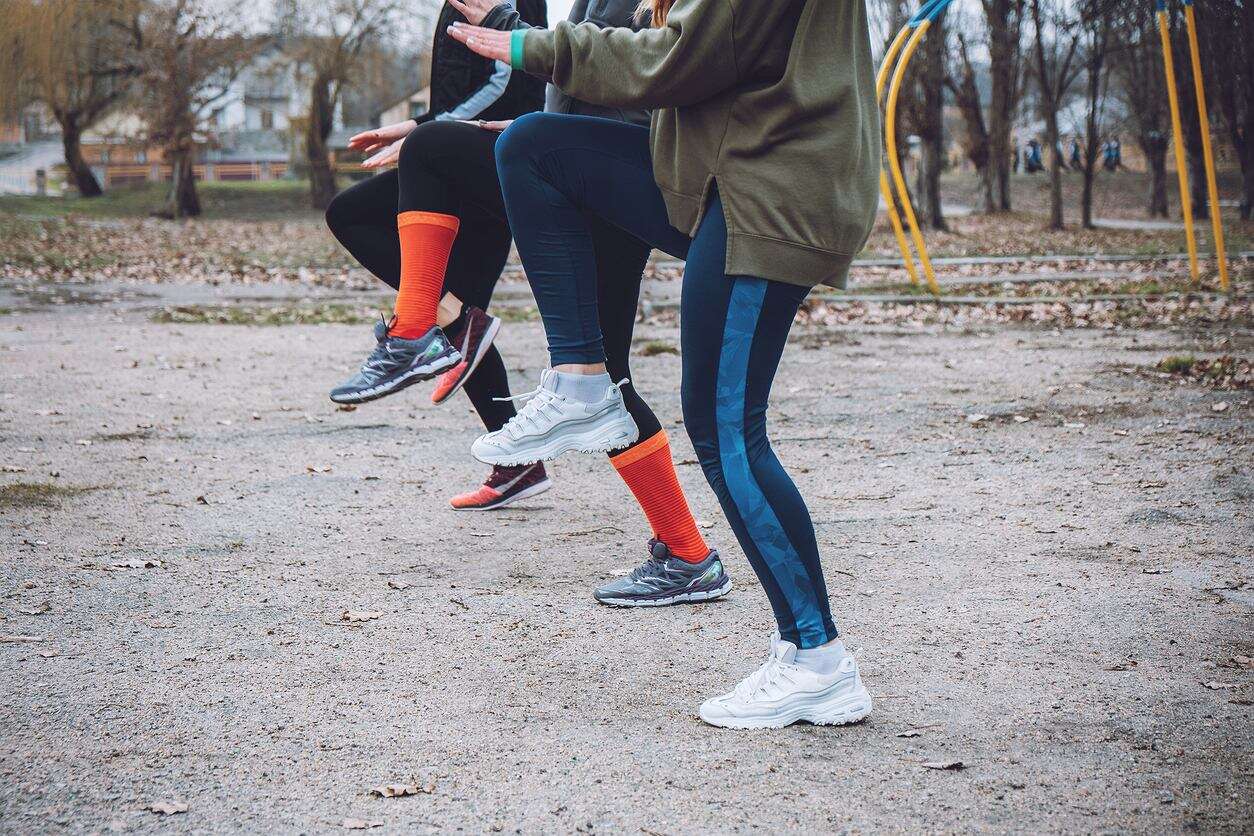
467,86
605,14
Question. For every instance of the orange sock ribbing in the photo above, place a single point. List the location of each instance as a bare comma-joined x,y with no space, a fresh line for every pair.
426,241
650,474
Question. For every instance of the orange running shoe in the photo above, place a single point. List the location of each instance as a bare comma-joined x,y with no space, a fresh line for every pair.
473,341
504,486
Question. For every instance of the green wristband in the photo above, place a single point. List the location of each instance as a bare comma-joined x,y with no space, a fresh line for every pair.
517,42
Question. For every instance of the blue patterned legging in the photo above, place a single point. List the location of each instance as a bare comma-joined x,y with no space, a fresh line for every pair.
555,171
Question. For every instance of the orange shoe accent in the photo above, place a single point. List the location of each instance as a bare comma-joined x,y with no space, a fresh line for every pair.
426,241
650,474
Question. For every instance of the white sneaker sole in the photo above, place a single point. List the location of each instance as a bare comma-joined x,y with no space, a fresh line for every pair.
821,710
537,488
681,598
618,433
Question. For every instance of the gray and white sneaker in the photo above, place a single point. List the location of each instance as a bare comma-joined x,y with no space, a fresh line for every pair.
666,579
396,363
551,423
782,692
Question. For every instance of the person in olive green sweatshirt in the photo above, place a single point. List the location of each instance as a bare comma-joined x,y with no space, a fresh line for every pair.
760,167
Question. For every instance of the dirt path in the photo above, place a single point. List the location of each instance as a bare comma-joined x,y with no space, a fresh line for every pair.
1062,603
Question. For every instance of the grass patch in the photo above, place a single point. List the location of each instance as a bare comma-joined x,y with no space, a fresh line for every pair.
263,199
1223,372
330,313
1176,364
37,494
516,313
655,347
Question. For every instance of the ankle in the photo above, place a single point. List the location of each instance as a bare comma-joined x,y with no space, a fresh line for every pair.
824,659
581,368
588,387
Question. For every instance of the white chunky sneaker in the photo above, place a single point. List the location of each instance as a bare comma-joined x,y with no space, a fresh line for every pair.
781,693
552,423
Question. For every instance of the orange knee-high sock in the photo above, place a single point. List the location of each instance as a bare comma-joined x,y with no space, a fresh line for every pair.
649,472
426,241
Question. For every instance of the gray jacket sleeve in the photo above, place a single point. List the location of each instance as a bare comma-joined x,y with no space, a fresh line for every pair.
604,13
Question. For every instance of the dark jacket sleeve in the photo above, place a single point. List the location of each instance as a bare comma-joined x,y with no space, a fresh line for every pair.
505,17
705,47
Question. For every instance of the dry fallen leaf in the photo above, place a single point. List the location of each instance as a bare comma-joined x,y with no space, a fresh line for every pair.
399,790
38,609
943,765
18,639
360,824
1219,407
138,563
976,417
910,733
395,584
356,616
1221,686
169,808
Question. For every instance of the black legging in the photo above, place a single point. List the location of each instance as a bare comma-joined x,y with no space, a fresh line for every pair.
450,167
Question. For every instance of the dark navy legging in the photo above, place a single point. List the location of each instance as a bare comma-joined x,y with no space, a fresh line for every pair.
556,169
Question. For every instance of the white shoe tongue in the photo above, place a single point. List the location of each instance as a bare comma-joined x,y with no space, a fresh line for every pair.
785,652
548,380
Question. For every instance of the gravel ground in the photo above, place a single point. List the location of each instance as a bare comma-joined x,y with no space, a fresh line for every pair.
1058,595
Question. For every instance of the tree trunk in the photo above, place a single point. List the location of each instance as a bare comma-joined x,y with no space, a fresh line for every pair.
1004,21
182,200
1055,171
322,185
987,190
1086,196
932,125
1155,150
80,171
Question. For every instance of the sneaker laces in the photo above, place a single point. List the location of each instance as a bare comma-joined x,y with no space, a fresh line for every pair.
535,414
768,674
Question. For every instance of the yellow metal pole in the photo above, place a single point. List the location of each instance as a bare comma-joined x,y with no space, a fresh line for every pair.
1177,135
890,131
881,78
1212,191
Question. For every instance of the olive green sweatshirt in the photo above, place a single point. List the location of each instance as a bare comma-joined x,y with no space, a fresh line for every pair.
772,100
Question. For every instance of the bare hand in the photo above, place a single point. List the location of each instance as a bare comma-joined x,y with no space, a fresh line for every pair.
490,43
388,156
370,141
475,10
497,125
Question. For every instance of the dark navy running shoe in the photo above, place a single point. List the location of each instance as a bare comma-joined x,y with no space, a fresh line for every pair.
666,579
396,363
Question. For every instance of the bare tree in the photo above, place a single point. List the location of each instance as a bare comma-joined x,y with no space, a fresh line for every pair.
1094,31
988,140
1138,67
1226,32
79,57
976,142
335,36
1056,38
926,118
1005,51
195,51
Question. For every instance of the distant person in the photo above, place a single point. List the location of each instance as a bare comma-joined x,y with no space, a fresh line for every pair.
1076,162
1032,157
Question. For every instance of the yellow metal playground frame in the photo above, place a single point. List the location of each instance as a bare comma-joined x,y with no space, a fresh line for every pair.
907,41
